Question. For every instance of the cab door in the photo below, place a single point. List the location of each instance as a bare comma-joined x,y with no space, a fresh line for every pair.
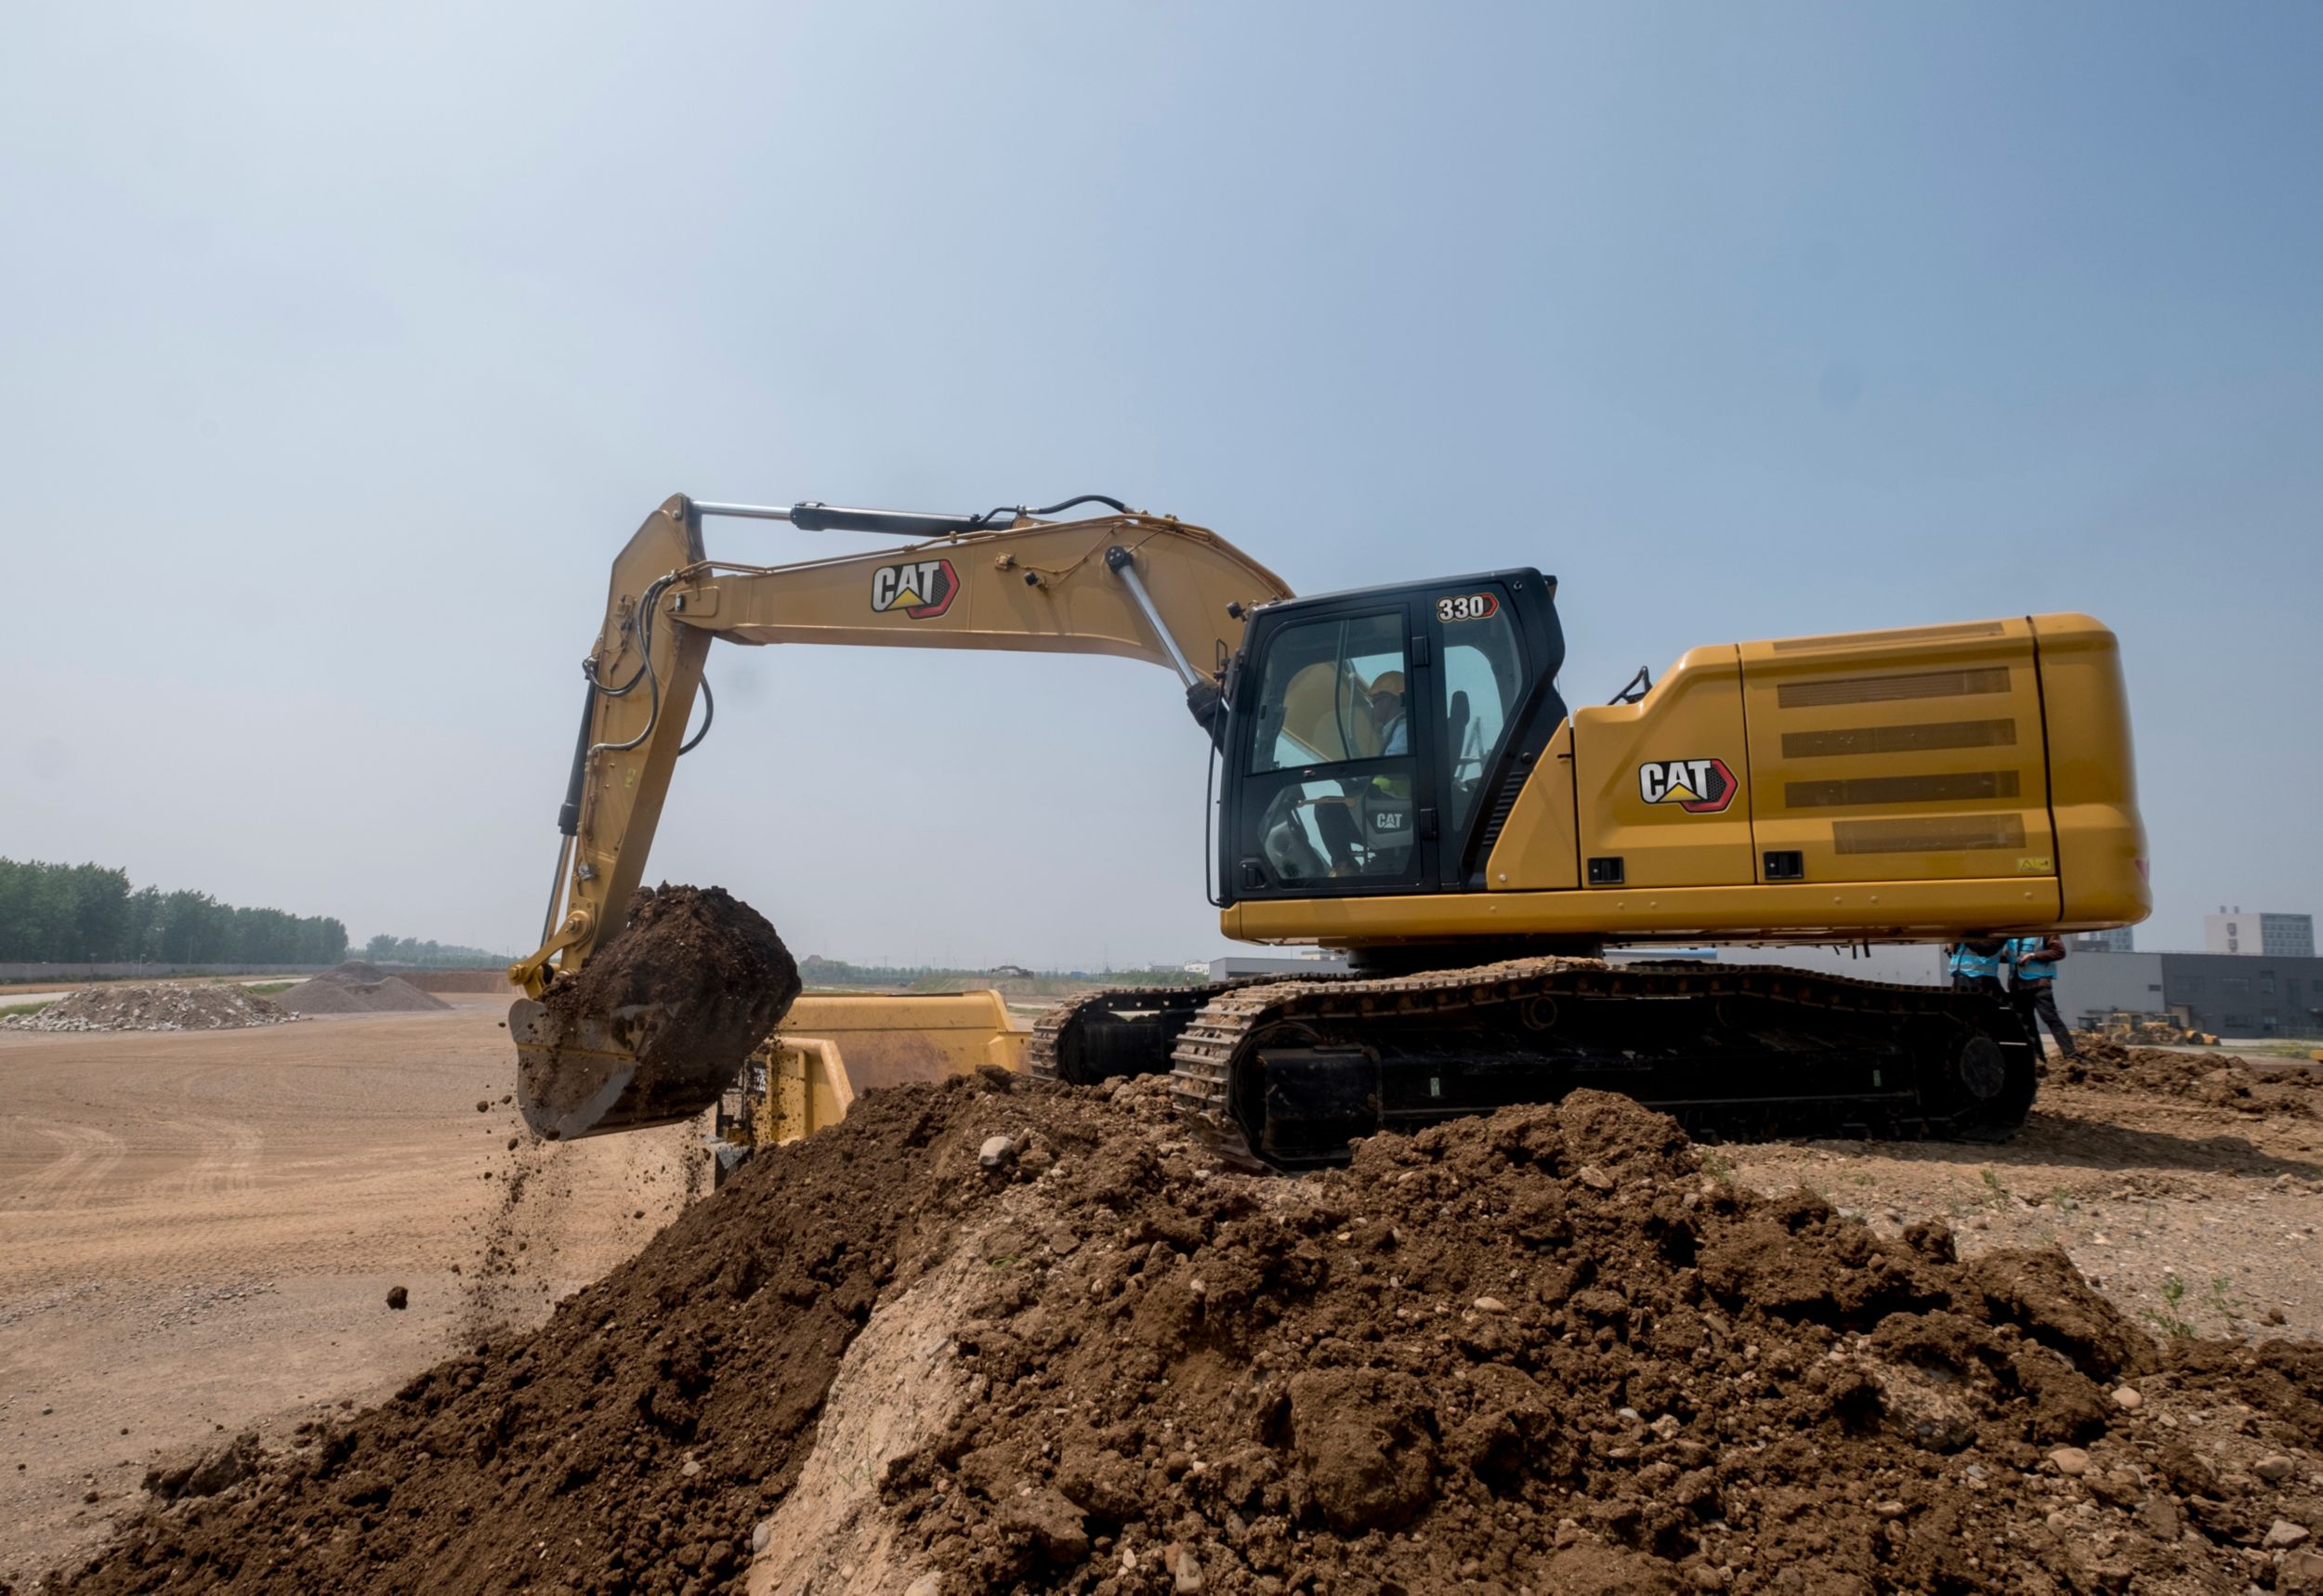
1330,785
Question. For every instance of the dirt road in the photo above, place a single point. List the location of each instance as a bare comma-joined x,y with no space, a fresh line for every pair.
198,1232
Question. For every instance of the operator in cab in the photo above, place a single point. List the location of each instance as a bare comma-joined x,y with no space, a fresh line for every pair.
1386,703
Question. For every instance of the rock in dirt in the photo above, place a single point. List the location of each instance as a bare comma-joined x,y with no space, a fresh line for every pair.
205,1473
398,1298
168,1006
357,987
1689,1389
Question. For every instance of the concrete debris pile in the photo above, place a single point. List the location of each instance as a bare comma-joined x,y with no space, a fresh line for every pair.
170,1006
997,1335
2215,1078
357,988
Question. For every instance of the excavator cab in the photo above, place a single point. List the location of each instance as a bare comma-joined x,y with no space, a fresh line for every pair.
1379,737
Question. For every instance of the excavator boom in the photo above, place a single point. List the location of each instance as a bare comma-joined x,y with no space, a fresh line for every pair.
1121,584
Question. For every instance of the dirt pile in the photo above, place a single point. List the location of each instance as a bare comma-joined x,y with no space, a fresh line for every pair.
1540,1350
171,1006
2218,1080
357,988
692,981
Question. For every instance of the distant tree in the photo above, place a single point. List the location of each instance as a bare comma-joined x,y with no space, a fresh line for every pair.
79,915
385,950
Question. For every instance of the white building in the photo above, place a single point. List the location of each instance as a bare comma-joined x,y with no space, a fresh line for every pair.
2274,935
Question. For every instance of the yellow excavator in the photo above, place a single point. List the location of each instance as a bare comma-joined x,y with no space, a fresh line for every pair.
1396,775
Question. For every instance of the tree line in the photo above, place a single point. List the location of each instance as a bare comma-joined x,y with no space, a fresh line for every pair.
385,950
88,914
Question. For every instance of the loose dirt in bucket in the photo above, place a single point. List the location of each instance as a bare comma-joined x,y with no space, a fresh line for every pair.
357,988
691,983
167,1006
1544,1350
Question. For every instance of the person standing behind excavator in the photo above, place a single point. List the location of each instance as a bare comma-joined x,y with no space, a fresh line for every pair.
2032,967
1976,964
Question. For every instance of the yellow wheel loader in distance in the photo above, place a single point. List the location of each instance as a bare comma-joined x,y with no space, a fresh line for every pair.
1399,777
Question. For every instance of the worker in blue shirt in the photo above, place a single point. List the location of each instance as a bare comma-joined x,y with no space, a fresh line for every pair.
1976,965
2032,969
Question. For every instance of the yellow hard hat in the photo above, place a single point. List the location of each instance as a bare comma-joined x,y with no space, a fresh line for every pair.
1389,682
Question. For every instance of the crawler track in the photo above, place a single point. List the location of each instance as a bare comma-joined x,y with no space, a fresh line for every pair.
1126,1030
1288,1073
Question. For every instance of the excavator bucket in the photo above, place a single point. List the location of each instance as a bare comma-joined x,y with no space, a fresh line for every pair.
658,1023
586,1077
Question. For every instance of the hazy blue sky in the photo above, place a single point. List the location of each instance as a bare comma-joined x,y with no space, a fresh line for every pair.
340,348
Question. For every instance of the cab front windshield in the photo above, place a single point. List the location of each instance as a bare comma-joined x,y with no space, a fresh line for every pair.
1331,760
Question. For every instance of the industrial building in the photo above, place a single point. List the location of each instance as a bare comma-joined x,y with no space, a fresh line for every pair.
2231,994
2268,935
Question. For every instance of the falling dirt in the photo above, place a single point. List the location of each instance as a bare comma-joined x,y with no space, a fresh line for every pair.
357,988
1544,1350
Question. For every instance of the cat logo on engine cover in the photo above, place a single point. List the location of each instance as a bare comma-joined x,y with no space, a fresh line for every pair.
1696,786
923,589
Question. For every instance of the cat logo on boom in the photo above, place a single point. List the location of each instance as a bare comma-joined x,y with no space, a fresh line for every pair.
923,589
1696,786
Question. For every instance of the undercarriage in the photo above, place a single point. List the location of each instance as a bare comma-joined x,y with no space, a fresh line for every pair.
1289,1074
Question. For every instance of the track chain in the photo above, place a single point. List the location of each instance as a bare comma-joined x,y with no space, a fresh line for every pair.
1201,1070
1044,1053
1205,1057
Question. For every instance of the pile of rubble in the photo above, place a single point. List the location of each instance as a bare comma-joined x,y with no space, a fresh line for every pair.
1001,1335
357,988
169,1006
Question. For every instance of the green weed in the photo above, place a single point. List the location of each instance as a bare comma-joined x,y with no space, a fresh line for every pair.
2172,1325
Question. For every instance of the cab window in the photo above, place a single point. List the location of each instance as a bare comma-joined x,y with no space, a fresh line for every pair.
1334,692
1483,675
1331,754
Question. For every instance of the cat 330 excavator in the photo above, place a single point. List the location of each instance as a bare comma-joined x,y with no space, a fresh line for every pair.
1397,775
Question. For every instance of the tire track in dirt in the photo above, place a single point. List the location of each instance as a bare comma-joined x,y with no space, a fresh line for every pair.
228,1159
85,1156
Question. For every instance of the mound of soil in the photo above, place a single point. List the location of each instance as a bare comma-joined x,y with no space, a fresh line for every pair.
2218,1080
357,988
1537,1350
170,1006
